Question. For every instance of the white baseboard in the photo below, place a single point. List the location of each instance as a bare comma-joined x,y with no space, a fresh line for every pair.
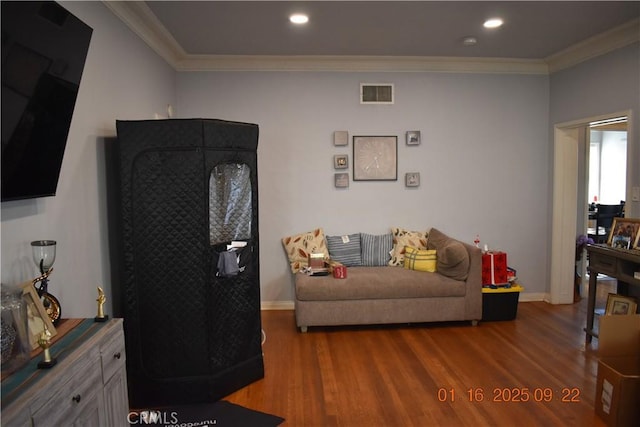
276,305
533,296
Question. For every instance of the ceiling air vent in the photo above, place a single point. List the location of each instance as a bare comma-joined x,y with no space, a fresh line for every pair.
376,93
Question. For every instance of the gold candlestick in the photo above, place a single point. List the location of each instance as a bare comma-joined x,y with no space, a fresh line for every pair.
101,317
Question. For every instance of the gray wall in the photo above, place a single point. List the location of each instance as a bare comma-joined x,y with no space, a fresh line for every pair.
483,158
123,78
604,85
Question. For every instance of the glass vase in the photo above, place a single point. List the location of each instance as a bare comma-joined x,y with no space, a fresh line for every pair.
15,345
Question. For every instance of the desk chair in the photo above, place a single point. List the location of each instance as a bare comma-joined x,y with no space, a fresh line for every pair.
604,220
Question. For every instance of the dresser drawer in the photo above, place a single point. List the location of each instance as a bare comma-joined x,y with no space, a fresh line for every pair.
70,399
603,264
86,387
112,356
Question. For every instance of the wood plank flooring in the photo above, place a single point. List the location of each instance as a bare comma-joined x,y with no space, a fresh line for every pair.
532,371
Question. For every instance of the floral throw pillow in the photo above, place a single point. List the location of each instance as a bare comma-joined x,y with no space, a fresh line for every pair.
299,247
403,238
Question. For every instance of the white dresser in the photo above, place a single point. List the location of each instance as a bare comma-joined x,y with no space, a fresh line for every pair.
86,387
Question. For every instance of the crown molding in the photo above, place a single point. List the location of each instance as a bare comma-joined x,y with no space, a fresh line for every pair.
597,45
359,63
142,21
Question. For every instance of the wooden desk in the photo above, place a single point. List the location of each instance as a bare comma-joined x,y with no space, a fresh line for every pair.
617,263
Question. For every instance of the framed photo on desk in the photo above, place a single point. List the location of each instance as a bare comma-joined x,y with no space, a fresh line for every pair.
624,233
37,318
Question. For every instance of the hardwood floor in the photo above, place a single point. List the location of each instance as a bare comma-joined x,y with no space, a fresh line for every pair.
534,370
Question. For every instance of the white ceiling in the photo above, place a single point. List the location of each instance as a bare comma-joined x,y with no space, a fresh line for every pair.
533,31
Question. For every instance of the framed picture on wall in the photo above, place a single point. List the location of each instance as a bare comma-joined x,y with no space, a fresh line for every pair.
341,161
413,137
412,179
340,138
341,180
375,158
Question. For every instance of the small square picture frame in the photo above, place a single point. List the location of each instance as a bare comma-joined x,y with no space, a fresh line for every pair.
341,161
620,304
340,138
412,179
413,137
341,180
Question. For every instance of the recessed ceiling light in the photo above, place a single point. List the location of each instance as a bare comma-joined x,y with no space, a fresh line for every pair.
469,41
493,23
299,18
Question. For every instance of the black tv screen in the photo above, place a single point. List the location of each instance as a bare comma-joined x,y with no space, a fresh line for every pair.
44,48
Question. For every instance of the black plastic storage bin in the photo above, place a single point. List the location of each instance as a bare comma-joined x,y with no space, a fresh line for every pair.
500,303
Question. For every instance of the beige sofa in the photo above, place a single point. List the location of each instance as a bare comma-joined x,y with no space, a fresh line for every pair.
393,294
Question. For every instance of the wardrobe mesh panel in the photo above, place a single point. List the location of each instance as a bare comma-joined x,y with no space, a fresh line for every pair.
230,209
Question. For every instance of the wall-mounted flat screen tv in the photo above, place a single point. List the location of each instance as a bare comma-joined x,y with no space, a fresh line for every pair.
44,48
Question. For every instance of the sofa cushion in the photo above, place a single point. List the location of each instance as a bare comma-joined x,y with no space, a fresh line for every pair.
420,259
376,249
345,249
377,283
299,247
402,238
453,257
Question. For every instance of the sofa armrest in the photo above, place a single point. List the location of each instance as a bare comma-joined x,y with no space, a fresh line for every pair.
473,299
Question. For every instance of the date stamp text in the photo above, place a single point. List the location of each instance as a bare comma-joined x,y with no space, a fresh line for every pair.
510,394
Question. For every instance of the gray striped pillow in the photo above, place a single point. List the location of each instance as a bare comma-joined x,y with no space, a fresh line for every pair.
376,249
345,249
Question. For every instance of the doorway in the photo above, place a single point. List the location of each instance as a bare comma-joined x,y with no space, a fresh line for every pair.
570,210
607,161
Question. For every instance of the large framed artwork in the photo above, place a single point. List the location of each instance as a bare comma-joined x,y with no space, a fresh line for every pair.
375,158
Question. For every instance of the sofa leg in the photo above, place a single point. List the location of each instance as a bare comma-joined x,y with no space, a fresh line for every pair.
474,322
303,329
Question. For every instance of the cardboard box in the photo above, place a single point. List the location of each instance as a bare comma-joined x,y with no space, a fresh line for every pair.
494,268
500,303
617,399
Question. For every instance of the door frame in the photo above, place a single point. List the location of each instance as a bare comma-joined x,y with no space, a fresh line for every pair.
565,198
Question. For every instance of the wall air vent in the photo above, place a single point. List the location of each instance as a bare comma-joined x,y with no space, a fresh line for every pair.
376,93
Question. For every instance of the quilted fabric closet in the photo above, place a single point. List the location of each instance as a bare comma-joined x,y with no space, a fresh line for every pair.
188,188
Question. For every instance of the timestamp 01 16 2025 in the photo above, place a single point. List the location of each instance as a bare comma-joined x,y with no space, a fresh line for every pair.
511,394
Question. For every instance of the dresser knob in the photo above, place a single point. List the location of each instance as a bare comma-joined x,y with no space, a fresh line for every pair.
116,355
76,398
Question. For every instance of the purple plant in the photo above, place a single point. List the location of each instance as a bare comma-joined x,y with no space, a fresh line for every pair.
581,242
